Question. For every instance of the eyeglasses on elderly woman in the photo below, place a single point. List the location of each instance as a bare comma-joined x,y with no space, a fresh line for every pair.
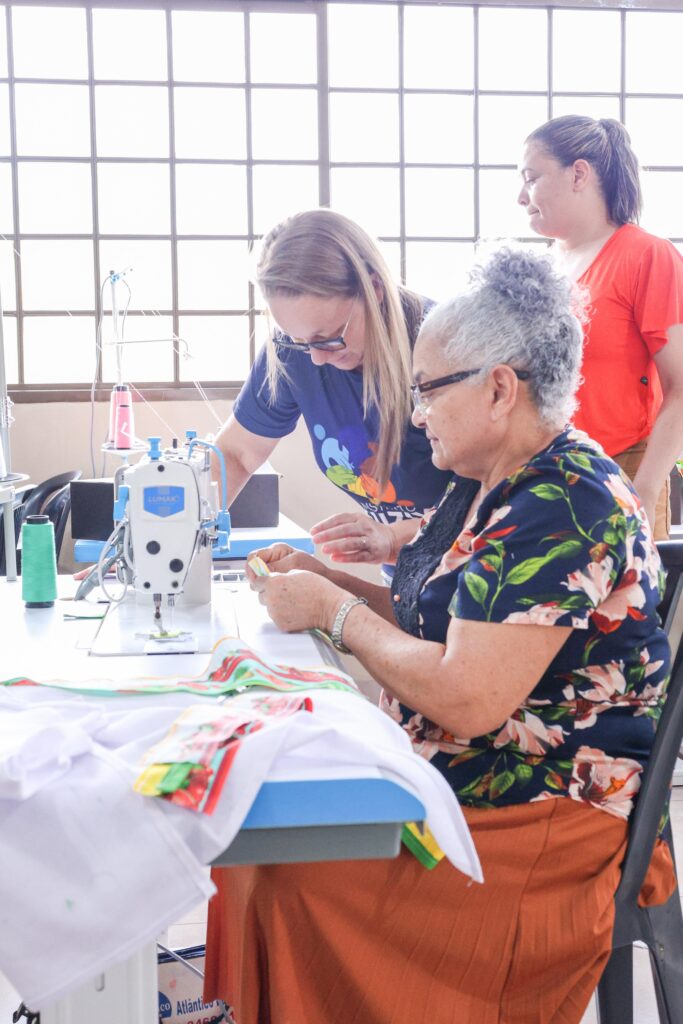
420,391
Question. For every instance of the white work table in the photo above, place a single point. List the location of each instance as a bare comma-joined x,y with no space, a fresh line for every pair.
291,820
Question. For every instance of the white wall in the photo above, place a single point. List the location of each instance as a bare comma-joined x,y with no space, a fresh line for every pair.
53,437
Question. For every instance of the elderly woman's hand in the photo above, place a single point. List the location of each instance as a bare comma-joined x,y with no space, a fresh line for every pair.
354,537
283,558
299,600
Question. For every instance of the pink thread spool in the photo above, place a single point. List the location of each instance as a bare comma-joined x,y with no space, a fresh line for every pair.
121,430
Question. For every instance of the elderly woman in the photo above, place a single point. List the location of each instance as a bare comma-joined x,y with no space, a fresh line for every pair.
521,649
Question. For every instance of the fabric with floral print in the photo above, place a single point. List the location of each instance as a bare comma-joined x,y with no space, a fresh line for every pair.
563,541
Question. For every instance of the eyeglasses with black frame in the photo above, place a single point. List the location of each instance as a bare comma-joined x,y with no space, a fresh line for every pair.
420,391
324,345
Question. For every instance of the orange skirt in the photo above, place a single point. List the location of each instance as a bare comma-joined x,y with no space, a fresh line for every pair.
387,942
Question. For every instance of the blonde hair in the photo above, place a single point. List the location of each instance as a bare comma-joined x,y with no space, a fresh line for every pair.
322,253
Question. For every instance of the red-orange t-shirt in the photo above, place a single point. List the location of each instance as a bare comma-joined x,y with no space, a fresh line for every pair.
635,285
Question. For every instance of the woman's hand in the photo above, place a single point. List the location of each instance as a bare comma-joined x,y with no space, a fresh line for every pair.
354,537
281,558
299,600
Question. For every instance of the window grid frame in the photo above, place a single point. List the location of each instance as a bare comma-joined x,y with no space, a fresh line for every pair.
318,9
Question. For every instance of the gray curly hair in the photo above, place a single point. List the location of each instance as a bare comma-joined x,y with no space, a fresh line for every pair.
521,312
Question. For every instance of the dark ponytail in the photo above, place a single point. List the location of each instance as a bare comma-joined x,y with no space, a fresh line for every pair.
605,144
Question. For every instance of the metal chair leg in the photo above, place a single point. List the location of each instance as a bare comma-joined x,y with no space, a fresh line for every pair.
615,988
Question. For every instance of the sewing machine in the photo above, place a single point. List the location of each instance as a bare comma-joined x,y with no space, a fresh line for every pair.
166,521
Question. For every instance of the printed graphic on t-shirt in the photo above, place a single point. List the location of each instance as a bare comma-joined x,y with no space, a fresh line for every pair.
349,466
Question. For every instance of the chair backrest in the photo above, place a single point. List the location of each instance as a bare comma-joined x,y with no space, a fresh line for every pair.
657,779
48,498
58,508
671,607
37,498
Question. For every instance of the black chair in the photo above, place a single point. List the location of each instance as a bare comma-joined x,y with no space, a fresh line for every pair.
660,928
51,498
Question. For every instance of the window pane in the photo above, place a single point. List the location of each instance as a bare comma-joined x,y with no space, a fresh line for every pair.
439,202
281,191
391,251
134,199
208,46
587,51
218,348
283,48
131,120
522,66
363,45
586,106
53,120
147,362
439,129
501,215
644,120
210,124
213,275
438,48
438,269
504,123
35,31
5,144
662,207
211,199
7,281
3,45
130,45
149,277
55,198
285,124
369,196
59,349
57,275
364,127
654,42
9,326
6,214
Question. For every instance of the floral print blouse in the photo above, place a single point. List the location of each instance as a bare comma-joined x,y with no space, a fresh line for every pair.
563,541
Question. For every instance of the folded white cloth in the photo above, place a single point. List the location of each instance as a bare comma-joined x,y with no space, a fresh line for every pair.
90,871
36,747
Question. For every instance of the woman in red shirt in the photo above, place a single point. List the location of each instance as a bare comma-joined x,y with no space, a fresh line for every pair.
581,187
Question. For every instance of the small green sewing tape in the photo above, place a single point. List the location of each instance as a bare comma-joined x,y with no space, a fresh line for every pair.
38,562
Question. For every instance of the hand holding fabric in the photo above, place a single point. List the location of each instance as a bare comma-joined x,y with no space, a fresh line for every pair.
299,600
280,558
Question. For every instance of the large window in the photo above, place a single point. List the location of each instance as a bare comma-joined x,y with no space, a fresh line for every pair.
163,139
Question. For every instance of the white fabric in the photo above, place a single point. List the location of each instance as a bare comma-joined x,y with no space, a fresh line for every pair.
90,870
36,747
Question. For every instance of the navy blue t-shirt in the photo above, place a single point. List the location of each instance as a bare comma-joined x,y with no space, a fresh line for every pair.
344,442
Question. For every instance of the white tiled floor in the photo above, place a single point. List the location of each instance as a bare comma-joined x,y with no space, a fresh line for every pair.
191,931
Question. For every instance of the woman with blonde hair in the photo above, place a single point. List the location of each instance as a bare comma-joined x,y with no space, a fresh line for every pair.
340,357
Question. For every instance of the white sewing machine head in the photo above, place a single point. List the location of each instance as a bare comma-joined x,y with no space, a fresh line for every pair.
167,519
165,503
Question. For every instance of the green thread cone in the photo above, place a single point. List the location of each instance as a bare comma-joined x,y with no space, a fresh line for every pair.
38,562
